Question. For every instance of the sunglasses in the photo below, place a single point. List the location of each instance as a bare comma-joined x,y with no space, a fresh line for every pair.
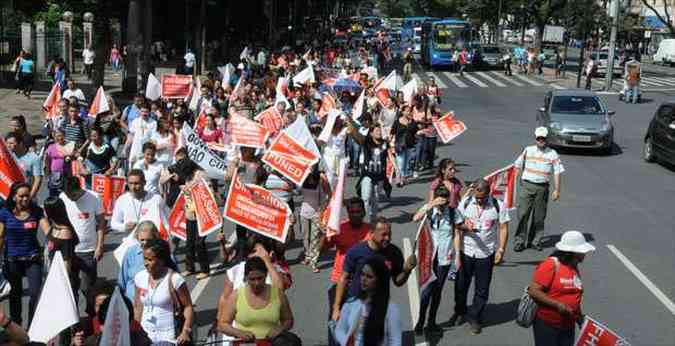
541,139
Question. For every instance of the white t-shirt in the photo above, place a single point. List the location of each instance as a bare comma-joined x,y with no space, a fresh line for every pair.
483,242
77,93
152,173
189,60
157,320
164,156
129,209
88,56
82,214
142,131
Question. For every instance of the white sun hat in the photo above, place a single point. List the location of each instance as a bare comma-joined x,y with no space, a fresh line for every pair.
541,132
574,241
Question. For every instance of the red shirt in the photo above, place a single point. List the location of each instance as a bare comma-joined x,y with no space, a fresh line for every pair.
565,287
343,241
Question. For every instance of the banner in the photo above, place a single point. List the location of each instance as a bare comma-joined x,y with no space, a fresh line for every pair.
332,216
199,152
300,133
392,82
391,170
10,172
51,104
56,309
177,86
409,90
290,158
247,133
257,209
304,76
594,333
503,185
177,220
99,104
384,97
270,119
448,127
116,326
209,219
424,249
109,188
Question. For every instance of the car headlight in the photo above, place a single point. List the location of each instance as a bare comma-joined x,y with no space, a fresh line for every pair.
606,126
555,126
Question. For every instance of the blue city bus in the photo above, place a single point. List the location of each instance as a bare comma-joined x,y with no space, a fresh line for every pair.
412,30
440,39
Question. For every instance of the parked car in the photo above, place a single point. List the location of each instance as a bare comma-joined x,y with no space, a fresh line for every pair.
666,52
659,142
492,56
601,59
577,118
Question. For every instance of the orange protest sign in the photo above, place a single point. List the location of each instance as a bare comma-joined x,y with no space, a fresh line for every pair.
109,188
247,133
290,158
384,97
206,208
10,172
448,127
270,119
327,104
596,334
424,247
176,86
177,220
51,104
257,209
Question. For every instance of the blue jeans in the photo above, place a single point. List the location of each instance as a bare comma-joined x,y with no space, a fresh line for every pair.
354,151
15,272
369,198
421,150
403,162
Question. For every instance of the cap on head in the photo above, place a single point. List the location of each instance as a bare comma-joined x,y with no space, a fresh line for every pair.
574,241
541,131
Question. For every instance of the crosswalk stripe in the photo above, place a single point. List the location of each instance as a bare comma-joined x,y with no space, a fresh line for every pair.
438,81
648,82
455,80
510,80
492,80
663,80
475,81
527,80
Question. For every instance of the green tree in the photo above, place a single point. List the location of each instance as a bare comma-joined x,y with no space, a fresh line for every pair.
666,16
394,8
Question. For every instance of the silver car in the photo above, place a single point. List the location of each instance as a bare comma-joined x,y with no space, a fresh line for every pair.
577,119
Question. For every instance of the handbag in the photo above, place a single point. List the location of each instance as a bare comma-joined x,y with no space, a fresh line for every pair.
527,307
178,316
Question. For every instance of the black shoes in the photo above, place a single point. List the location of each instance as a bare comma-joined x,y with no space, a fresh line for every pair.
475,327
537,247
419,328
456,320
434,329
519,247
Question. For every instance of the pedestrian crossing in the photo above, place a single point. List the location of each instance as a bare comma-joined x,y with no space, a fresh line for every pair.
647,82
479,79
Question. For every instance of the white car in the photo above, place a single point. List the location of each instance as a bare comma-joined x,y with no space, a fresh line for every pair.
666,52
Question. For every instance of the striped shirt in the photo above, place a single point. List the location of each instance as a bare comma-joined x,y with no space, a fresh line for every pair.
76,132
538,165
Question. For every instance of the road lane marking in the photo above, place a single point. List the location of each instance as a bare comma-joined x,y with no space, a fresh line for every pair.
527,80
662,80
413,290
475,80
199,288
492,80
510,80
556,86
455,80
438,80
648,82
645,281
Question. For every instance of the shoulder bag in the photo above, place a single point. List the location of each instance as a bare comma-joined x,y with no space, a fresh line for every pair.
527,308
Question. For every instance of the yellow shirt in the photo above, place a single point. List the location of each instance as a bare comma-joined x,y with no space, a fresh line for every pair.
258,321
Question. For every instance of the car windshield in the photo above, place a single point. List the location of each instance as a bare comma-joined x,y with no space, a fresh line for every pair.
576,105
490,50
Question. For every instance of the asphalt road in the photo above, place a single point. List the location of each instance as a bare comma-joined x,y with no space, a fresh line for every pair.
618,201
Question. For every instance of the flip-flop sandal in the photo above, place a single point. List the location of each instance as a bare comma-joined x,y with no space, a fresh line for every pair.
315,270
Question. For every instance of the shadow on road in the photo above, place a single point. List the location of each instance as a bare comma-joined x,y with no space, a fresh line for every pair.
500,313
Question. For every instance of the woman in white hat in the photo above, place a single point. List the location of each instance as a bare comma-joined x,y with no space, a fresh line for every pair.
557,289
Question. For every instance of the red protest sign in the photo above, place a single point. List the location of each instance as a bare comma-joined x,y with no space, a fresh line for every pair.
290,158
593,333
177,220
10,172
384,97
206,208
270,119
109,188
425,256
503,185
176,86
448,127
257,209
247,133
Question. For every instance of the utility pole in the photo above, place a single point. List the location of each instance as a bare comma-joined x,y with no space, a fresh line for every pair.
499,23
614,12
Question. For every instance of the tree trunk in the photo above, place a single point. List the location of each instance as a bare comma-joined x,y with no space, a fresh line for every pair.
538,40
202,36
102,38
133,43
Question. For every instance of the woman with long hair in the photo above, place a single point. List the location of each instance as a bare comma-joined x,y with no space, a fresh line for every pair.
369,318
447,176
20,220
62,236
165,141
160,290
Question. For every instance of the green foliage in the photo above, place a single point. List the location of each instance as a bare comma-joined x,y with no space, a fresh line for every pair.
51,15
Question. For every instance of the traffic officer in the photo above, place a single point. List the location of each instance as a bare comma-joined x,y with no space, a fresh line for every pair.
538,163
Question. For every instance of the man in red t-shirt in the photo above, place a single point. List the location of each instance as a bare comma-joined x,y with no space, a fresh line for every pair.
351,232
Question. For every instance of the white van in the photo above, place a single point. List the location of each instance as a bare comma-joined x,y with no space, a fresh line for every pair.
666,52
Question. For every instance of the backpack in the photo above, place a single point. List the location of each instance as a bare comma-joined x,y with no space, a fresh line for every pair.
527,307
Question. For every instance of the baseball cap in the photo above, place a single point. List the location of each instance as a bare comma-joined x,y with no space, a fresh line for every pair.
541,132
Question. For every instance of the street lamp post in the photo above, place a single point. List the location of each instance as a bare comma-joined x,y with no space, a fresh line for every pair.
499,23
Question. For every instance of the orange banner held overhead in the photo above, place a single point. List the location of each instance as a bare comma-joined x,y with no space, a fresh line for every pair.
270,119
448,127
290,158
258,210
247,133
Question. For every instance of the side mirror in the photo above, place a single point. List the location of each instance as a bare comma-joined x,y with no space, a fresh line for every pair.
610,113
542,109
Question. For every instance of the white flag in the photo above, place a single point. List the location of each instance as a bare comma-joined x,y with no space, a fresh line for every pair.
116,327
100,103
153,90
409,90
244,53
335,206
299,131
330,123
392,82
304,76
357,111
226,71
195,95
56,309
